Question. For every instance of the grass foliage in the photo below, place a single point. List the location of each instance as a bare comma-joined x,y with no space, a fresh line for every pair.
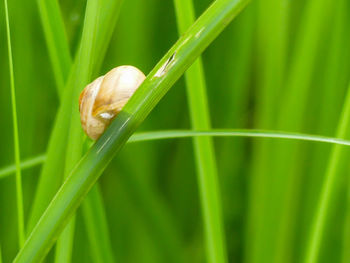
278,74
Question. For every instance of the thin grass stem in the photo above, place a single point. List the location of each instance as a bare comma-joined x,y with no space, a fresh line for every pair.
203,146
19,191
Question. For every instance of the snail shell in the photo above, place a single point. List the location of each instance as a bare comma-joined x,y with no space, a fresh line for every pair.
102,100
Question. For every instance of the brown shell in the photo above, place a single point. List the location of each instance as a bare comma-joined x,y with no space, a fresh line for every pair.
102,100
117,87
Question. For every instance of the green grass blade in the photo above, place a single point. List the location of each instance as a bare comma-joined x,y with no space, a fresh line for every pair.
60,58
19,191
247,133
271,23
158,82
283,196
50,178
336,69
233,100
300,73
96,223
203,146
51,175
75,135
178,134
64,246
56,40
26,164
331,181
106,24
84,67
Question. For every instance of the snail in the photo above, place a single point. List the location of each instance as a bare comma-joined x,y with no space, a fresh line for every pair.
102,100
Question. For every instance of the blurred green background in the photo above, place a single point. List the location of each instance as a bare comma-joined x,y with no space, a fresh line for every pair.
281,65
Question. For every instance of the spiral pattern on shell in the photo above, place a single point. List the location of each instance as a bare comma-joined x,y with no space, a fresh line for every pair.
102,100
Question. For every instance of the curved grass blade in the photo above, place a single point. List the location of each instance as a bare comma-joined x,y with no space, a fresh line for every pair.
203,146
19,191
248,133
178,134
158,82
